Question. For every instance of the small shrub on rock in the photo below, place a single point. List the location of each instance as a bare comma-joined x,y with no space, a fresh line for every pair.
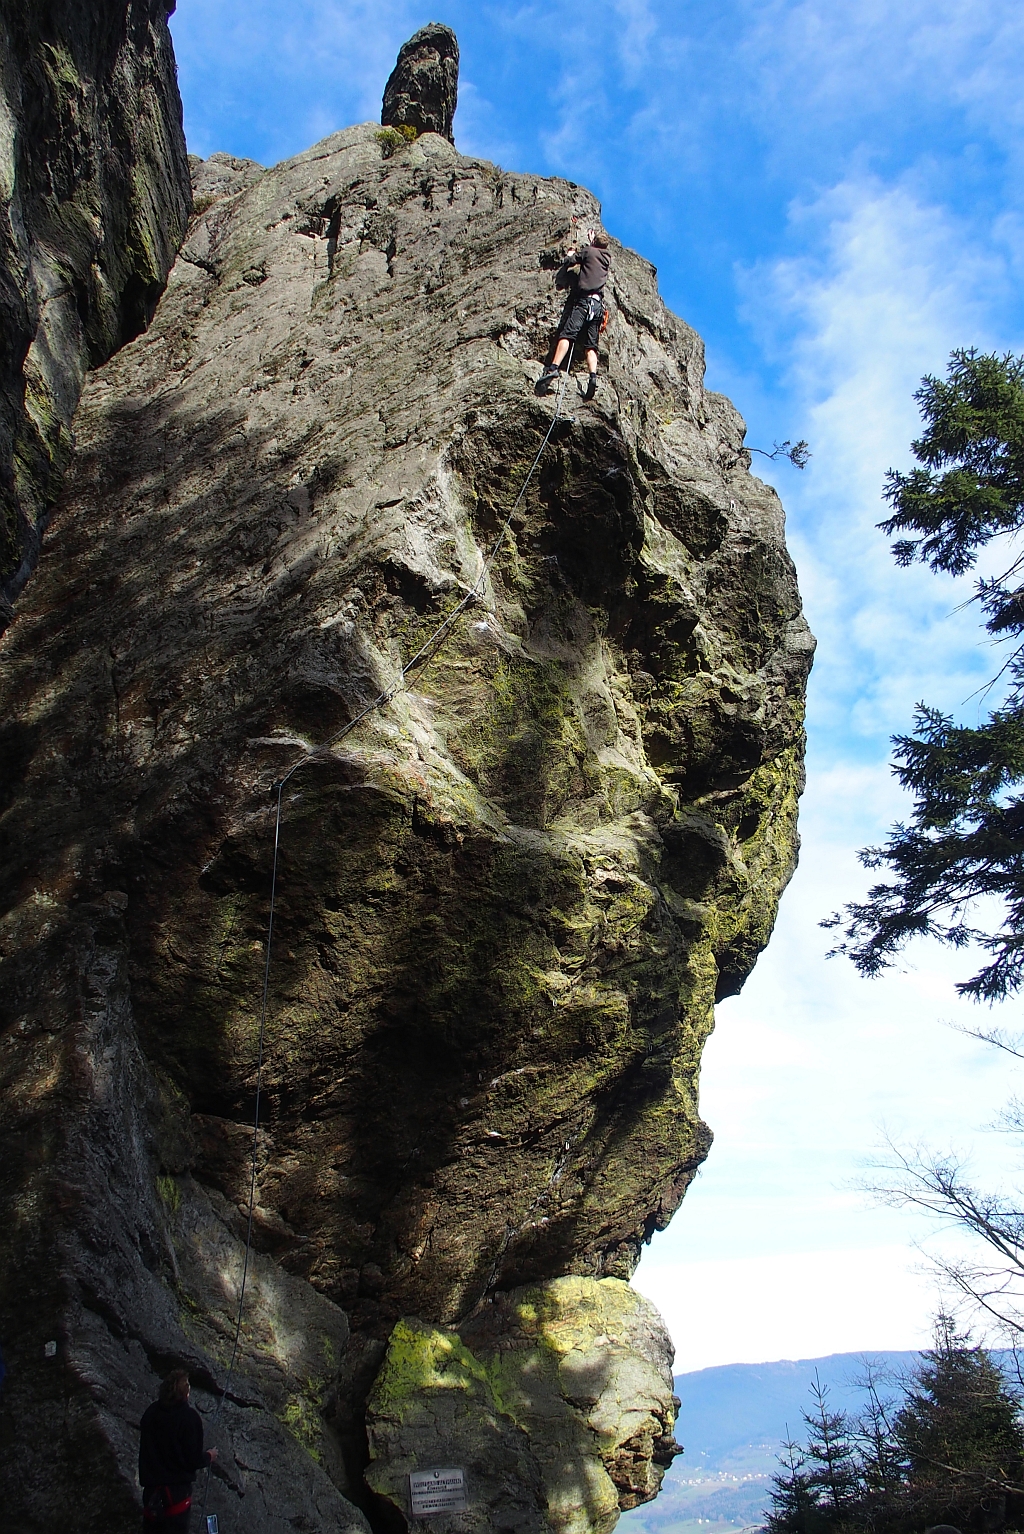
393,139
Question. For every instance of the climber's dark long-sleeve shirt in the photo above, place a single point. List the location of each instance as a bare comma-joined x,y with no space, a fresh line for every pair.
171,1445
594,264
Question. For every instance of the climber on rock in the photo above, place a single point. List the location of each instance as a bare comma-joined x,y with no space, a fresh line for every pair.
584,312
170,1452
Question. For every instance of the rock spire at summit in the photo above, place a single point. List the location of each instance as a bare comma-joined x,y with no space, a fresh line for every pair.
423,88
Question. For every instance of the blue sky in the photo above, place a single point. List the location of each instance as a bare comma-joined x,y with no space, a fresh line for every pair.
832,193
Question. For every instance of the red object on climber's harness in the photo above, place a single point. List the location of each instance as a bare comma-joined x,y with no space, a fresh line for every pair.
159,1505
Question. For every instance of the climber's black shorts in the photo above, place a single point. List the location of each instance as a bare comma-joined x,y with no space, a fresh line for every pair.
576,322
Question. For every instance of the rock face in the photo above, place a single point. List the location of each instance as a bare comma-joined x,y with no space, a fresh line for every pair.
95,193
507,898
423,88
519,1398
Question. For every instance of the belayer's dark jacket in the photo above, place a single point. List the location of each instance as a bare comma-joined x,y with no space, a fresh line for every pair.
595,264
171,1445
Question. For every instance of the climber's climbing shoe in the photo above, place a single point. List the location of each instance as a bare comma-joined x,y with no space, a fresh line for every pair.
547,380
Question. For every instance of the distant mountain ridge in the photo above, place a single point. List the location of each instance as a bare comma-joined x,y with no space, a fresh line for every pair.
732,1422
739,1403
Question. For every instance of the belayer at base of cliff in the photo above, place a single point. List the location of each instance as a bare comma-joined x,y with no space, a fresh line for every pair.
584,313
170,1452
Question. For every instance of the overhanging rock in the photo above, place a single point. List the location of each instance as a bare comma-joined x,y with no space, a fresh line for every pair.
507,900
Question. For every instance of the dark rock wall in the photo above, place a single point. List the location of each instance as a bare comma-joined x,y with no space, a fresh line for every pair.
117,1266
507,901
95,195
422,92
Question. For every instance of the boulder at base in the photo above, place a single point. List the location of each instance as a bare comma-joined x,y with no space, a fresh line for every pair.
555,1401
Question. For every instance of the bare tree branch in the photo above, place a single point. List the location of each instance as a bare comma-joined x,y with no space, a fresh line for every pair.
1011,1044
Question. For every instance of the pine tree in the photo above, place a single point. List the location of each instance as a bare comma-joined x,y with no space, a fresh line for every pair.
966,838
821,1483
794,1508
882,1463
831,1452
960,1432
951,1450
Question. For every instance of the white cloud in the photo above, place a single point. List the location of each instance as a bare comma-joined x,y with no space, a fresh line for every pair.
828,60
793,1305
884,288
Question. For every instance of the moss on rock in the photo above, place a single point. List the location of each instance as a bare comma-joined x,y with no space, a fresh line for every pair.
565,1387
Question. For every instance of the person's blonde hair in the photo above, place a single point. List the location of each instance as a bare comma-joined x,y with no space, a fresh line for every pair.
602,241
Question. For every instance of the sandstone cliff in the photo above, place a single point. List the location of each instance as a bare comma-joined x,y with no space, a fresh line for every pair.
506,902
95,194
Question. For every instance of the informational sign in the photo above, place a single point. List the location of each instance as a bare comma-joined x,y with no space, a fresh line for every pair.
437,1491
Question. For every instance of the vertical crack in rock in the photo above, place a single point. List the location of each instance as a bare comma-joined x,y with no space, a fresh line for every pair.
95,195
507,900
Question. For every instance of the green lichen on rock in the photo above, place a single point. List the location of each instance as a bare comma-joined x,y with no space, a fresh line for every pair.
168,1189
564,1388
302,1416
420,1358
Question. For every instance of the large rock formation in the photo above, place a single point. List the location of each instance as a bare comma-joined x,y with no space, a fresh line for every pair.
95,194
423,88
506,899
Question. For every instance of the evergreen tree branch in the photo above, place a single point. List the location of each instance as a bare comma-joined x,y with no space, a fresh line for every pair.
965,841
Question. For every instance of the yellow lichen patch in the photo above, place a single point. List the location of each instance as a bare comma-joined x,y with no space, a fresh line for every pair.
170,1193
301,1416
420,1358
574,1312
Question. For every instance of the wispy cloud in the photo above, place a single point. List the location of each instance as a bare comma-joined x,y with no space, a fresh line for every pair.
832,57
884,287
638,29
297,71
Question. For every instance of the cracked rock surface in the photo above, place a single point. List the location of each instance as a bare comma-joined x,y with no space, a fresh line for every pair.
507,899
423,89
94,196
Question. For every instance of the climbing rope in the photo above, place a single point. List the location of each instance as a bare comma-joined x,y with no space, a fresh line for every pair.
423,655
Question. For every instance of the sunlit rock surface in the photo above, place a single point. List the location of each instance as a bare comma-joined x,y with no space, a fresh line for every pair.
423,89
555,1401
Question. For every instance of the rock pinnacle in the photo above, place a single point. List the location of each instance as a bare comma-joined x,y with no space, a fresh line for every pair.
423,88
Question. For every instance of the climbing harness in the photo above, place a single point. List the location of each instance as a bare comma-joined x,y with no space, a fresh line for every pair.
161,1504
426,653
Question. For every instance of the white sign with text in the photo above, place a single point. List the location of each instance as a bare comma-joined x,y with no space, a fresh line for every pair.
437,1491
